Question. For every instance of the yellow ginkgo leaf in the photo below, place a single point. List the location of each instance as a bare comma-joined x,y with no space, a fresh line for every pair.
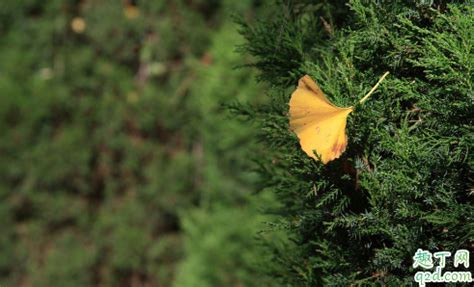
78,25
131,11
319,124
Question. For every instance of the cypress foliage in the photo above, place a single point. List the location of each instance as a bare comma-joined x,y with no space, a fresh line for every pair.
117,166
404,181
219,233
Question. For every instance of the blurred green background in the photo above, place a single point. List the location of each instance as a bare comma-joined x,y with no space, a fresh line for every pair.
120,165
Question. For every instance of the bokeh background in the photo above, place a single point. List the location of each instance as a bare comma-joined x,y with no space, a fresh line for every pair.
120,163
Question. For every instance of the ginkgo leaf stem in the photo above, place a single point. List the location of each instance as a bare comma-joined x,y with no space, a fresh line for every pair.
373,88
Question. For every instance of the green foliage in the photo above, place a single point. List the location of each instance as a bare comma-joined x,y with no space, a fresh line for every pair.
220,234
113,139
404,181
